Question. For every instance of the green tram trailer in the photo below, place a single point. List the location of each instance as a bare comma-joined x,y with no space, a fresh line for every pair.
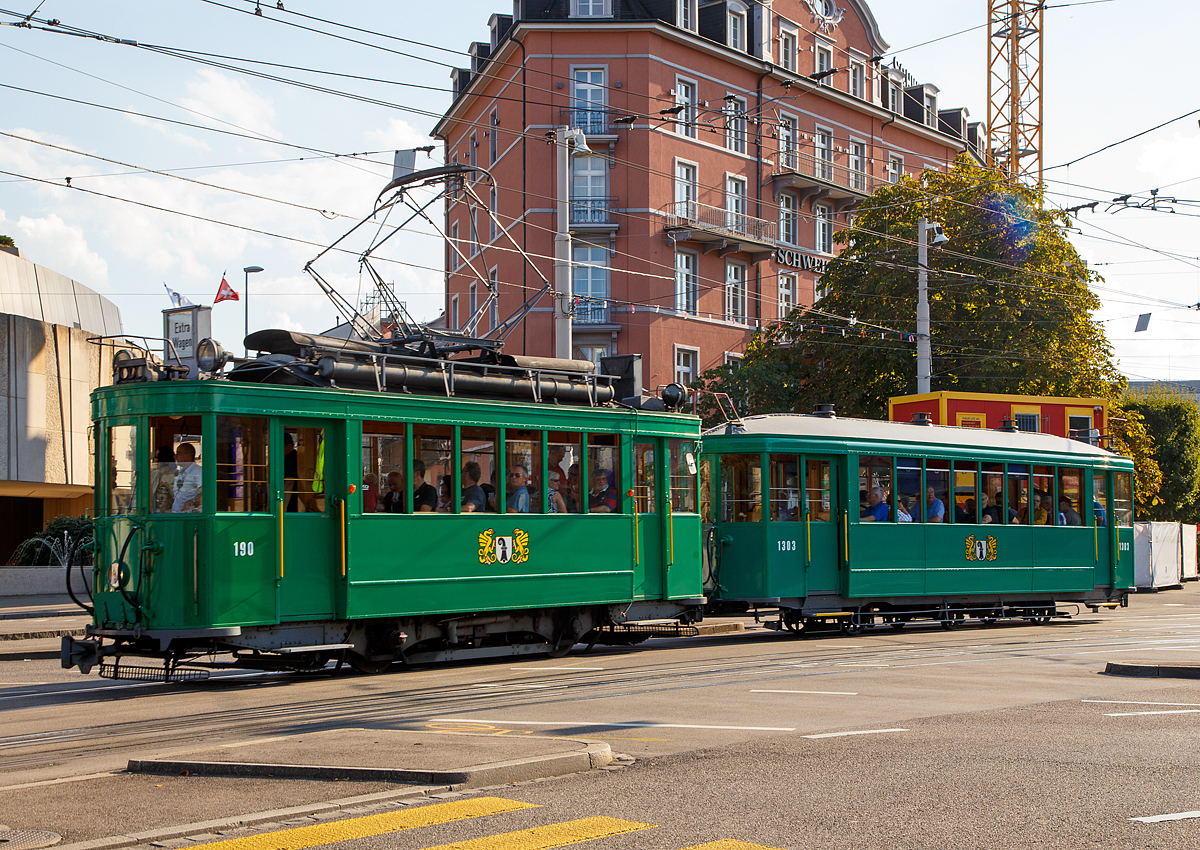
786,498
287,558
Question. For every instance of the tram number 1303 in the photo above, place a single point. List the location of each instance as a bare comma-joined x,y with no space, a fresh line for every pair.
787,546
243,548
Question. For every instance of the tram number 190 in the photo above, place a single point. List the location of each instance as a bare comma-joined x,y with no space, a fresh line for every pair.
243,548
787,545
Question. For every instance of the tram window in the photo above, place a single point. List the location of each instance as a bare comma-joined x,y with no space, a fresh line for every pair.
523,462
682,463
1100,498
741,488
383,468
645,484
304,469
991,497
1123,499
966,493
433,446
604,471
875,489
909,497
1070,496
785,488
122,469
241,470
818,490
706,494
1044,510
563,450
478,448
176,465
936,499
1018,494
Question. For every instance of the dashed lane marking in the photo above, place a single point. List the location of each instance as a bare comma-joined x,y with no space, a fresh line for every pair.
583,724
559,669
1161,818
545,837
365,827
729,844
854,732
821,693
1145,713
1134,702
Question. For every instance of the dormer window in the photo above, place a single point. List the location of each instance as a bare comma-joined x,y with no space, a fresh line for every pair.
687,14
788,41
591,8
736,31
931,111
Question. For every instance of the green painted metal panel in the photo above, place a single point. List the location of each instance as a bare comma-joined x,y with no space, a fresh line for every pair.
886,560
785,555
743,569
683,576
242,570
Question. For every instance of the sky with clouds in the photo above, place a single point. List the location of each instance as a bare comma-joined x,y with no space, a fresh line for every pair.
293,197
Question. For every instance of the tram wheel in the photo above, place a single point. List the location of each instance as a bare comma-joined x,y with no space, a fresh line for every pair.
362,664
561,648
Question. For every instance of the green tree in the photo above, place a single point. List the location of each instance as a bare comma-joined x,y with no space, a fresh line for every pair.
6,241
1173,421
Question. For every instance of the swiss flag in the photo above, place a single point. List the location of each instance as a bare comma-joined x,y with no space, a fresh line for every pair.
226,293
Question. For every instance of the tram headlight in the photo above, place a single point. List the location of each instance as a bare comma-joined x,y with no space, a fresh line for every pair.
114,575
210,356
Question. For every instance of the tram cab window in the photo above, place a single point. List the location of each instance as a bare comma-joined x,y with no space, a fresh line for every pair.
991,496
936,504
682,463
1071,510
741,488
706,494
818,490
1018,494
433,446
966,491
383,490
875,489
1100,498
1123,499
562,472
122,470
304,469
176,465
1044,510
478,484
909,496
785,488
645,484
603,484
523,465
241,465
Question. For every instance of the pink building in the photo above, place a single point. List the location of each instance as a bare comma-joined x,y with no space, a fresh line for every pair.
728,141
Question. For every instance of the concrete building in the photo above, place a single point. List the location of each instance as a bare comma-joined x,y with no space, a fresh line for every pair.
47,373
727,142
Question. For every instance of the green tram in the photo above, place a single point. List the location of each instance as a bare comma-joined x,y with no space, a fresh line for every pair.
831,521
291,517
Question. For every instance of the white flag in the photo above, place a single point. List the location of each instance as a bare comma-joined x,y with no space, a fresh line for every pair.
177,300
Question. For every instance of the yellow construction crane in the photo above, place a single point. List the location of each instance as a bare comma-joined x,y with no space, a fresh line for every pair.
1015,87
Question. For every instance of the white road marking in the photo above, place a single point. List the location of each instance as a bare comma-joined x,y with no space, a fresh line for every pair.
1173,605
560,669
641,725
856,732
1143,713
1161,818
823,693
1135,702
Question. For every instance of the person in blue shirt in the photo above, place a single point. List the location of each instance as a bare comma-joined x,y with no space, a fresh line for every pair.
877,509
935,510
473,498
518,496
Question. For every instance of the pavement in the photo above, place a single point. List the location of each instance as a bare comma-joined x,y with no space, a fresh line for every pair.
35,617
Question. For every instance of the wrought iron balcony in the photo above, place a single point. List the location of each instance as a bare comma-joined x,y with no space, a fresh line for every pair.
726,231
591,311
587,211
801,170
592,120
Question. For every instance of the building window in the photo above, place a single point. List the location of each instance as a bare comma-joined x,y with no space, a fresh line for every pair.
735,204
686,365
589,283
686,191
1027,422
824,228
931,111
493,229
494,138
473,152
588,99
455,249
737,30
474,228
494,304
687,282
735,124
472,303
454,312
787,142
590,352
858,165
787,294
685,96
735,292
687,14
820,289
788,219
788,40
895,104
591,8
824,61
895,168
858,80
823,139
589,189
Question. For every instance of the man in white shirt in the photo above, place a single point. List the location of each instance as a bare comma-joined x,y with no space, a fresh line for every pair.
188,479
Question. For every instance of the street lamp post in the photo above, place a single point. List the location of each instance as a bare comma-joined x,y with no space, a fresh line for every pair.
924,343
249,270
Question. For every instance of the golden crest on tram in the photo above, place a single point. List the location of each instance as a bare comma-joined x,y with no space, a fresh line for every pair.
503,550
981,549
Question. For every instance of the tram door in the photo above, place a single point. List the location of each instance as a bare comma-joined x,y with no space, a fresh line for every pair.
821,517
648,500
310,558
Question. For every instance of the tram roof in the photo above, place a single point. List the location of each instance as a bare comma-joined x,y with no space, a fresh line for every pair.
879,431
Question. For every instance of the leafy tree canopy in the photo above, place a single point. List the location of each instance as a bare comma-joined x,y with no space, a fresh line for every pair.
1173,421
6,241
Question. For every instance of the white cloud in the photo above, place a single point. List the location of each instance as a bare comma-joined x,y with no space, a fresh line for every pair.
397,135
221,98
58,246
170,133
1168,159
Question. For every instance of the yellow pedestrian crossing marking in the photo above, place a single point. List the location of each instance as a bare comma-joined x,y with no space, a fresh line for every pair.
729,844
303,837
545,837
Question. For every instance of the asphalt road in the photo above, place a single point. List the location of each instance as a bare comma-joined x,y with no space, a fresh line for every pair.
1008,736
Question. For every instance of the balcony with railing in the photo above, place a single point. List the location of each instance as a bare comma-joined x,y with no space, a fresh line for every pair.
819,177
591,311
722,230
592,120
590,213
